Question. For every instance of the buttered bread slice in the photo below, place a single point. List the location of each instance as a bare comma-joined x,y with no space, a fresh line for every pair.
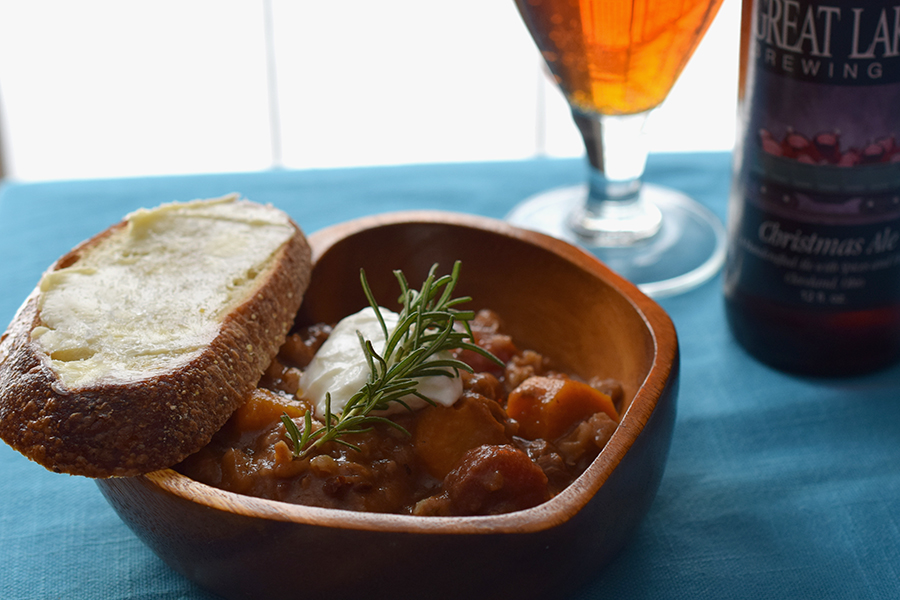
136,347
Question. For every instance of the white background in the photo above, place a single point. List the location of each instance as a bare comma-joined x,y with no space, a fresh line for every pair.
122,88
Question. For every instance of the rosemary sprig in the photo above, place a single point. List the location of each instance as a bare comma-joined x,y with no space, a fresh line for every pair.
425,328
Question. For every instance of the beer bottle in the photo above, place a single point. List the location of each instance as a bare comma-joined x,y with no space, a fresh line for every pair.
812,280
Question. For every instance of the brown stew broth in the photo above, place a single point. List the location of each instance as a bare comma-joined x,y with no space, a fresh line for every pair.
472,458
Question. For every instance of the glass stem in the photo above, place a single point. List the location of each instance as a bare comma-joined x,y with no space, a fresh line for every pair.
615,212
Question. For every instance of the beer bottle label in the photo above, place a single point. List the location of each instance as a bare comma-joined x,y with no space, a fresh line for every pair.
816,208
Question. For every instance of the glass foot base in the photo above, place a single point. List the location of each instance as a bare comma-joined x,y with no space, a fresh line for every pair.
688,250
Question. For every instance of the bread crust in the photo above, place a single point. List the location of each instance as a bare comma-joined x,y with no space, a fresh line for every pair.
118,430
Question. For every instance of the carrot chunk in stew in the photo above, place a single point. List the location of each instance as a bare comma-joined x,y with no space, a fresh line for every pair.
262,408
445,433
548,407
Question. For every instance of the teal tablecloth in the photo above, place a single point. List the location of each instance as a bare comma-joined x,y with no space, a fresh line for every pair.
776,486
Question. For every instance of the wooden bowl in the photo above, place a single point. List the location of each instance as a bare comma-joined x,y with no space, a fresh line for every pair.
553,298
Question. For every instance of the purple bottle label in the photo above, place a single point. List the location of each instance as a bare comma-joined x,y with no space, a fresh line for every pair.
816,208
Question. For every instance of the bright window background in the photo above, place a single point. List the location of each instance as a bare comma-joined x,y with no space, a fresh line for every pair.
104,88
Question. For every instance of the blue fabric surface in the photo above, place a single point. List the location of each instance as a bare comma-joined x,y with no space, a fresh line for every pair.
776,486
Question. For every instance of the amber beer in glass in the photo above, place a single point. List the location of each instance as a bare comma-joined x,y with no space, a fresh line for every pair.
617,57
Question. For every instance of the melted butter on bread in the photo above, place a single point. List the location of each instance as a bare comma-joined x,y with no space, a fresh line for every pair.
147,299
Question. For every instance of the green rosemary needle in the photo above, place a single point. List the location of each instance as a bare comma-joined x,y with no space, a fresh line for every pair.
425,329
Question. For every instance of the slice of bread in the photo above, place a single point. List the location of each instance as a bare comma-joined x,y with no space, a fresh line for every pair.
136,346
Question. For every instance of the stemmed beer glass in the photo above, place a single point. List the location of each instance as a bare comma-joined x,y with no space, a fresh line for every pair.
615,61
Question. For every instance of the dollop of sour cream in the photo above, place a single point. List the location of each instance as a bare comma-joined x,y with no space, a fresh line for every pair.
340,368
